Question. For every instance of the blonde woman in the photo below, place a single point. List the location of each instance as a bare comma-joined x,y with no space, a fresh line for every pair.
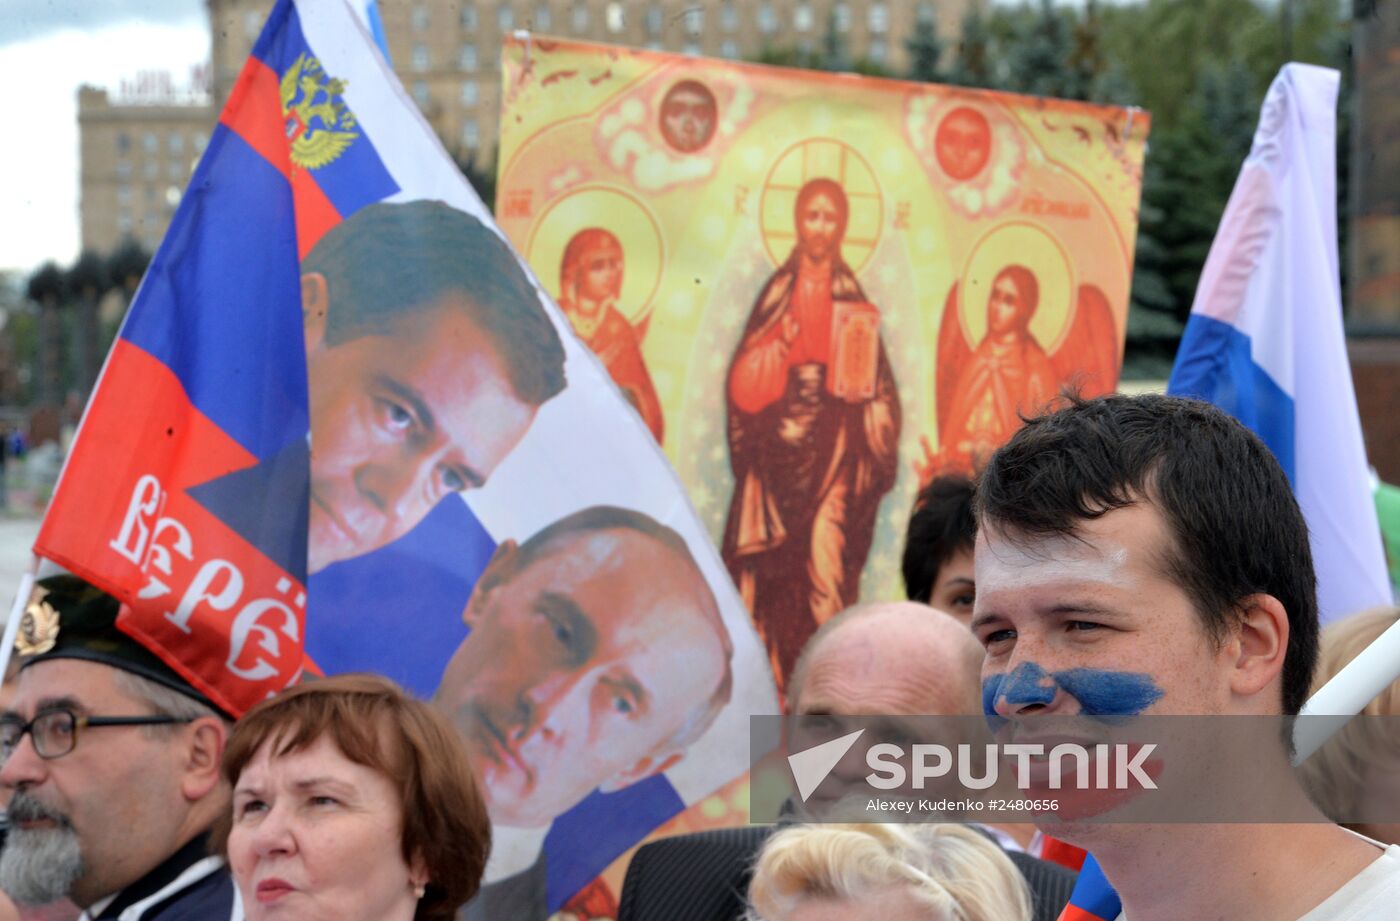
885,873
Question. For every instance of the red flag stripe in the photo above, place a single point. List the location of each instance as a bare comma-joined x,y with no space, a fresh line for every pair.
254,113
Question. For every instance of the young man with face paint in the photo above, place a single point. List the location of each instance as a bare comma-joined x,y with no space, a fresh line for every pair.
1146,555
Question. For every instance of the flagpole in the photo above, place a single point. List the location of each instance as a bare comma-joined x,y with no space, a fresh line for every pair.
26,587
1349,691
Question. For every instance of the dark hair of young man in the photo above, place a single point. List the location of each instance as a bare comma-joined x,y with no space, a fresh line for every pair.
941,525
1236,529
389,261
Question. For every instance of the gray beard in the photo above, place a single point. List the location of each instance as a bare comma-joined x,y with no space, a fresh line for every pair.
38,866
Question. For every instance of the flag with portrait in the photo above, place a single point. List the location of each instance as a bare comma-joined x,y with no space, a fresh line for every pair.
343,428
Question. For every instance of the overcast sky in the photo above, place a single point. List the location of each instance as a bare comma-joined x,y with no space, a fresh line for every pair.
48,48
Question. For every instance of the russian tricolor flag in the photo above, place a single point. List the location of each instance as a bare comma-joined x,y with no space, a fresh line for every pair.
1265,344
1265,340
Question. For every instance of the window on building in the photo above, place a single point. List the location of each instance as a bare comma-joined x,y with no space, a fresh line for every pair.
877,17
729,48
123,142
879,50
728,17
694,19
802,18
466,60
767,18
419,18
124,224
150,143
616,17
175,169
149,194
505,17
175,143
123,169
692,48
469,17
470,93
199,141
841,16
580,17
543,19
252,23
150,169
124,195
656,20
421,94
421,61
924,14
471,134
655,45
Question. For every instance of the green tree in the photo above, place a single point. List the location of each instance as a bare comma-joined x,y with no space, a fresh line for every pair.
46,287
1041,53
88,280
481,173
835,55
973,65
925,49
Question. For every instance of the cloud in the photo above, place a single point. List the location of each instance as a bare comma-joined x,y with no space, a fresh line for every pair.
40,199
27,20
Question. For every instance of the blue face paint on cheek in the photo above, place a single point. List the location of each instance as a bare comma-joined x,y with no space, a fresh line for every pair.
1105,693
1028,684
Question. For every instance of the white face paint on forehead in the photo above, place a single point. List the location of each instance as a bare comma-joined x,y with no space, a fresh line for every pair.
1001,564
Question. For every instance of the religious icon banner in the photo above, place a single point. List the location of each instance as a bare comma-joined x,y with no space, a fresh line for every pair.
818,290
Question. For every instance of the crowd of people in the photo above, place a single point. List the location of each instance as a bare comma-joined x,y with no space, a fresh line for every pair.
1118,556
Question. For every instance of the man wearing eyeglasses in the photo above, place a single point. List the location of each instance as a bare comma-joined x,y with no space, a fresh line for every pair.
114,763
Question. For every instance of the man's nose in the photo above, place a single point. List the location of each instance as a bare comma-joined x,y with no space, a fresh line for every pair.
399,486
24,767
1023,689
853,765
538,707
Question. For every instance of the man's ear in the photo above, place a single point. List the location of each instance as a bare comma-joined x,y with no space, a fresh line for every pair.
647,767
498,571
1259,644
315,301
203,752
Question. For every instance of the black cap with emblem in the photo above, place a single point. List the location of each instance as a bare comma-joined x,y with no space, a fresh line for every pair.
66,618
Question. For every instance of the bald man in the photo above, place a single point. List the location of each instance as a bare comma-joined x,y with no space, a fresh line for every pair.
888,659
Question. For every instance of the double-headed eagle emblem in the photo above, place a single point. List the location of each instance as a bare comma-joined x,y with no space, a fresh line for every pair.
319,124
38,627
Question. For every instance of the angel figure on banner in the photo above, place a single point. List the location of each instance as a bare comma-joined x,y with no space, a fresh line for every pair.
813,410
985,391
590,283
608,280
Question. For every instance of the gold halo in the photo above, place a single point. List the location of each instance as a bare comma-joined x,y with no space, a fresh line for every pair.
619,213
825,158
1018,243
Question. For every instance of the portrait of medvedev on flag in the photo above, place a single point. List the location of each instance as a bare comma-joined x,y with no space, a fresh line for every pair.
818,290
343,429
